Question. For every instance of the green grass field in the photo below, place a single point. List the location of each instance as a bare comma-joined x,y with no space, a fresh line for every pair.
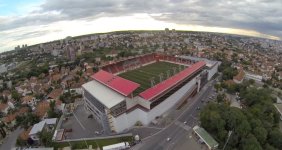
143,75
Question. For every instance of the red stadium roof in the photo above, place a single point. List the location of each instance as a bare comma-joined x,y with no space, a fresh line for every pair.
121,85
156,90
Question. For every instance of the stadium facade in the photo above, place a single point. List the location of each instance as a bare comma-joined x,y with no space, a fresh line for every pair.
111,100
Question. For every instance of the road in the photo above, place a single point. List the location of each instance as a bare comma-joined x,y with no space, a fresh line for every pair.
177,130
10,141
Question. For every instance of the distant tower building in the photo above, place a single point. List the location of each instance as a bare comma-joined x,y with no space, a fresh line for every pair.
166,30
70,52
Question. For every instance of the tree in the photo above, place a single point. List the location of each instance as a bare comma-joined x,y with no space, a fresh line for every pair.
250,143
261,134
251,81
15,95
275,138
220,98
20,142
27,120
244,128
52,112
46,138
217,87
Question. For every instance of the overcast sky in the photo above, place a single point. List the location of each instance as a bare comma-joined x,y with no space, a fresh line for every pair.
35,21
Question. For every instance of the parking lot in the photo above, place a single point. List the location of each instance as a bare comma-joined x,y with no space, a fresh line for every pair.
80,125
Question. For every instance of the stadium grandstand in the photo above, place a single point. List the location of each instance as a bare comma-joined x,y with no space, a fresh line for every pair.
142,88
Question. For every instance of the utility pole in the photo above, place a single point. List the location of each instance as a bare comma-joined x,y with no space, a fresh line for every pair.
229,134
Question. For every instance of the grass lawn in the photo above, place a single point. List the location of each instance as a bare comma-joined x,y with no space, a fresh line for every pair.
143,75
94,143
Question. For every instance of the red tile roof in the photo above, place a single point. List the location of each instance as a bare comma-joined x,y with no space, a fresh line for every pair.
156,90
120,85
11,117
3,106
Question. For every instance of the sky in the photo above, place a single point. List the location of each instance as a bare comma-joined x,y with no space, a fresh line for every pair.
36,21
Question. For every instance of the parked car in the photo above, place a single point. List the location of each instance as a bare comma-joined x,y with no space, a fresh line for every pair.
68,130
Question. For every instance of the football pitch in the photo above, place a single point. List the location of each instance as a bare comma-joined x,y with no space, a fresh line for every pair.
145,74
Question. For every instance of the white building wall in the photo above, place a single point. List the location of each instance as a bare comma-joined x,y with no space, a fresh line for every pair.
131,102
143,102
170,101
253,76
127,120
137,115
120,123
213,71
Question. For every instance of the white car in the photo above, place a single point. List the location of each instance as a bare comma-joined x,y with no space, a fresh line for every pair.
168,139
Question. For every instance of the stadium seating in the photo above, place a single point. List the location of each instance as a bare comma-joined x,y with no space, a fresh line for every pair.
133,62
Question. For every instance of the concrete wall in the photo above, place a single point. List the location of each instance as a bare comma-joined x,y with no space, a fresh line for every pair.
170,101
212,71
131,102
126,121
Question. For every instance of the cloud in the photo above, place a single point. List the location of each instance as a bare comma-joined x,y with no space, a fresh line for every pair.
263,16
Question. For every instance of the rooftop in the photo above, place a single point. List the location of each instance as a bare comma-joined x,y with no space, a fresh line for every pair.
107,97
121,85
279,108
41,108
209,63
156,90
37,128
50,121
205,136
55,93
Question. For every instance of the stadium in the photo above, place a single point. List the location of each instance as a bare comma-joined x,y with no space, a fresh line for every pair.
142,88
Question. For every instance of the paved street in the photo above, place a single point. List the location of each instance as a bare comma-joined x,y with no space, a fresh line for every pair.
10,141
81,125
177,130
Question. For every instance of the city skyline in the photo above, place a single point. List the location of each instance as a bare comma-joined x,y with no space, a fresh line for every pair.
37,21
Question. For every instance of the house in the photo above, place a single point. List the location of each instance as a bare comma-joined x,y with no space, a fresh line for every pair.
56,78
46,124
37,89
24,89
33,81
7,94
280,75
113,53
55,94
36,129
239,77
51,123
42,108
29,100
10,120
1,84
4,107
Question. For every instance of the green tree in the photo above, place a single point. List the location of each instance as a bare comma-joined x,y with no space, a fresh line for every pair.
260,133
275,138
244,128
46,138
15,95
250,143
52,112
